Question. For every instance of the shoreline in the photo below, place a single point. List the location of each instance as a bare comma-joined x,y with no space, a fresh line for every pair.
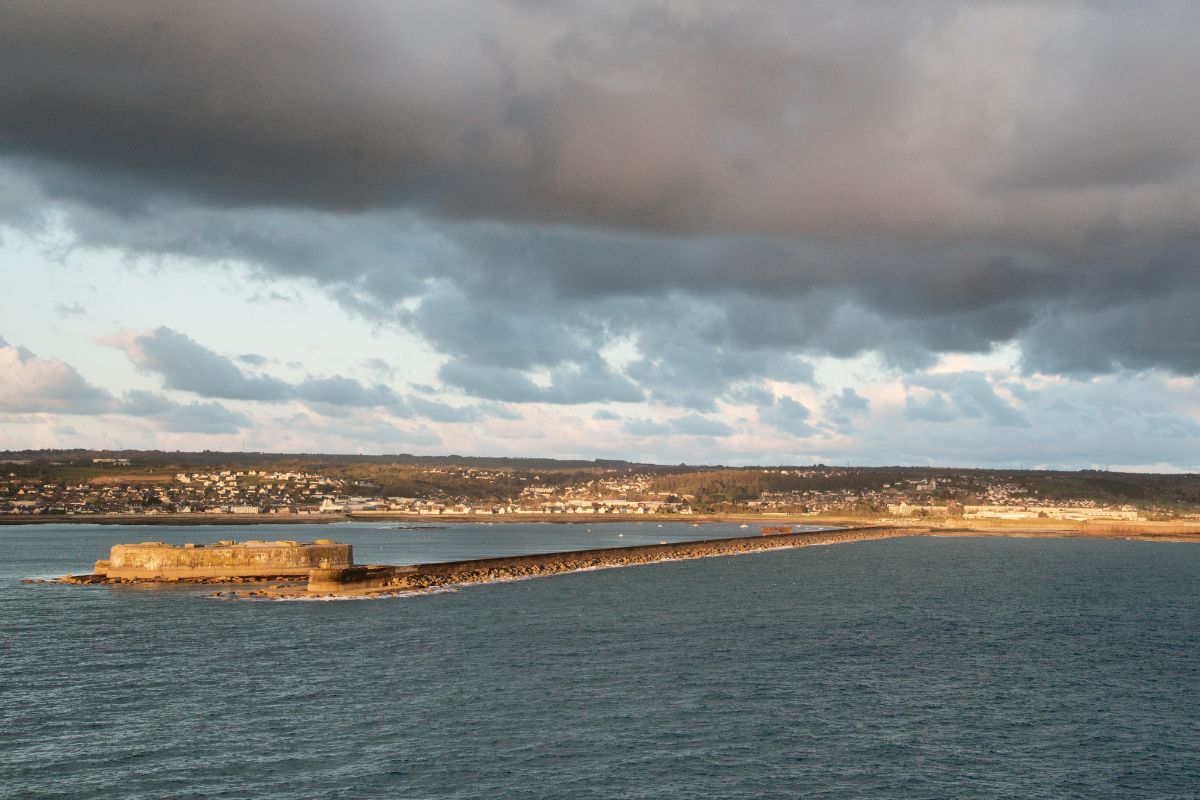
184,520
1116,529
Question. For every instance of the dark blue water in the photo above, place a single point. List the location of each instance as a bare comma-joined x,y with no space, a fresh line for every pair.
906,668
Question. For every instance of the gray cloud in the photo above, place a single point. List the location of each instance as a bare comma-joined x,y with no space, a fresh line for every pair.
725,190
32,384
444,412
948,397
342,391
862,118
194,417
1159,329
69,310
842,408
685,425
787,415
534,116
697,425
932,407
971,394
646,427
1146,420
699,332
359,426
567,385
186,365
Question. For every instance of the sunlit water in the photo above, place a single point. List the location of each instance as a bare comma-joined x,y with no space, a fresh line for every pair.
907,668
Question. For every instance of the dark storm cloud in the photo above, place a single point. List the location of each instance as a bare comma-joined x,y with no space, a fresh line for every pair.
1161,330
803,118
540,300
724,189
469,109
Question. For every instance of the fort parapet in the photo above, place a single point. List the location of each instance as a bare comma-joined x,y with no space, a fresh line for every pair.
252,559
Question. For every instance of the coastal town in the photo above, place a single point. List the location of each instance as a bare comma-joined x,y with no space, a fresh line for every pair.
102,486
257,492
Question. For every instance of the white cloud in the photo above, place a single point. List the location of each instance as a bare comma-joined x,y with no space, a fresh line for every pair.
29,383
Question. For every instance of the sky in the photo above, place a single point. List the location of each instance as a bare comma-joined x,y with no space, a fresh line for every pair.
739,233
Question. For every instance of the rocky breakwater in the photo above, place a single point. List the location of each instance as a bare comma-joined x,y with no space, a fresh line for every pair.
372,579
224,561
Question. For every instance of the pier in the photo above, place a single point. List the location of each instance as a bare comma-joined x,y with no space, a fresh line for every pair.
325,568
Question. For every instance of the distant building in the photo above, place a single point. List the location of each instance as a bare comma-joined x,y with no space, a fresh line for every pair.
1049,512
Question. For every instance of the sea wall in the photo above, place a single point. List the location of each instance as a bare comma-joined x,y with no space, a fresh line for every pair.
376,578
159,561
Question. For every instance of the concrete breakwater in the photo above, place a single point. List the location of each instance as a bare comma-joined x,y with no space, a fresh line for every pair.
370,579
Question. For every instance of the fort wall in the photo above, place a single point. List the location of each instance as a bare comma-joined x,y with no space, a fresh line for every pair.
160,561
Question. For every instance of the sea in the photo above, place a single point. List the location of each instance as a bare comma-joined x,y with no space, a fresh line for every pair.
901,668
